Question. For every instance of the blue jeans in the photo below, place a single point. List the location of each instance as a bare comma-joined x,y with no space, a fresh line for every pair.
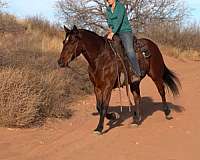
127,41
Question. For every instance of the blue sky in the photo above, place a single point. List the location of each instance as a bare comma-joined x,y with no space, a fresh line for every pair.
195,8
23,8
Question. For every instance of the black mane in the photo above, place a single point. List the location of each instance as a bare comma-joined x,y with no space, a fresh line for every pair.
93,33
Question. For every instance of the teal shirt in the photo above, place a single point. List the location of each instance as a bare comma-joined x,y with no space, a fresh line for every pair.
118,20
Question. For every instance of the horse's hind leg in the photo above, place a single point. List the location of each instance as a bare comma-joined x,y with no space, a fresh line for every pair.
161,89
135,89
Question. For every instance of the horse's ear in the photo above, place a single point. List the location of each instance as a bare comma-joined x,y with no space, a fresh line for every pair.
66,29
75,28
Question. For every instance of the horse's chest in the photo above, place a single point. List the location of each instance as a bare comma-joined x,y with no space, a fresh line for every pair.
102,73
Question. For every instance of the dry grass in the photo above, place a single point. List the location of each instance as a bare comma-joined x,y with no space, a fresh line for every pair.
180,40
32,87
178,53
25,97
43,25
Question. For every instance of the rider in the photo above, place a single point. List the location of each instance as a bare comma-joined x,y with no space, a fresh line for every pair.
118,24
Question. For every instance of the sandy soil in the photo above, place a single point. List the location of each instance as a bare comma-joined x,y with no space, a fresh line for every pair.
156,139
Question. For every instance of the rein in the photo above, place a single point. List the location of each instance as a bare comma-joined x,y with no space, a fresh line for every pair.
118,77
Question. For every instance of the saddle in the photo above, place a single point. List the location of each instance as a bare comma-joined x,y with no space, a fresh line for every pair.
141,47
142,54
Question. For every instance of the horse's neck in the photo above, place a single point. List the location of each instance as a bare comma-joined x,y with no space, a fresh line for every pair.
93,45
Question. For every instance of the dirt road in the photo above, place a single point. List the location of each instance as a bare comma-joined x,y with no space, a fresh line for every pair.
156,139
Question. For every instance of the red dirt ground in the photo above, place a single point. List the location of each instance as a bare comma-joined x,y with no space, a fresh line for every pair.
156,139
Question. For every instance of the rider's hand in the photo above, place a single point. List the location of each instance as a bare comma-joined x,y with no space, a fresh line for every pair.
109,30
110,36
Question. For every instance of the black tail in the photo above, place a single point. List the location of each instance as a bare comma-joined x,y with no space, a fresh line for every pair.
171,81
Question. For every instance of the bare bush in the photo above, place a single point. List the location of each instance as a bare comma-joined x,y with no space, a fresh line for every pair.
43,25
160,20
24,97
176,35
2,4
90,14
9,24
28,97
32,86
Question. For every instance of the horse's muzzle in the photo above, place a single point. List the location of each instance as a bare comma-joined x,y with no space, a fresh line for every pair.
62,64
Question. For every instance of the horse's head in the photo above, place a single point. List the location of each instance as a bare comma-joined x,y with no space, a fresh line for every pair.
71,47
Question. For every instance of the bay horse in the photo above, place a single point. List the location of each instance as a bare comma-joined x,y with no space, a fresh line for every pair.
103,72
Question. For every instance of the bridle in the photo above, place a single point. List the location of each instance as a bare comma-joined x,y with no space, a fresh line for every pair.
73,54
77,43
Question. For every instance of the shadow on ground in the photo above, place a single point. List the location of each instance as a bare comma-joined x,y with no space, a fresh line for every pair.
148,107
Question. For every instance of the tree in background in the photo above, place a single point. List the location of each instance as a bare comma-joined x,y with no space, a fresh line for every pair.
2,5
90,14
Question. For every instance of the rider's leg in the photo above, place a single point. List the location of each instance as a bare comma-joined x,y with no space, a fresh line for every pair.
127,41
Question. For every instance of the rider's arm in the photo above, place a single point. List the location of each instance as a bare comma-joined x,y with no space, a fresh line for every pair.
120,9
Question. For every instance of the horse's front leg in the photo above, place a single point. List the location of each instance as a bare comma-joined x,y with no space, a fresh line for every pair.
110,116
98,95
103,107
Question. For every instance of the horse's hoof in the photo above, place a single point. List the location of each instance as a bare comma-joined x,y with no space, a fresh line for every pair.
168,117
134,125
117,116
139,119
98,133
167,112
113,116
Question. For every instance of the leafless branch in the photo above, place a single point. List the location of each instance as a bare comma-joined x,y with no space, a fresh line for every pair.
90,14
